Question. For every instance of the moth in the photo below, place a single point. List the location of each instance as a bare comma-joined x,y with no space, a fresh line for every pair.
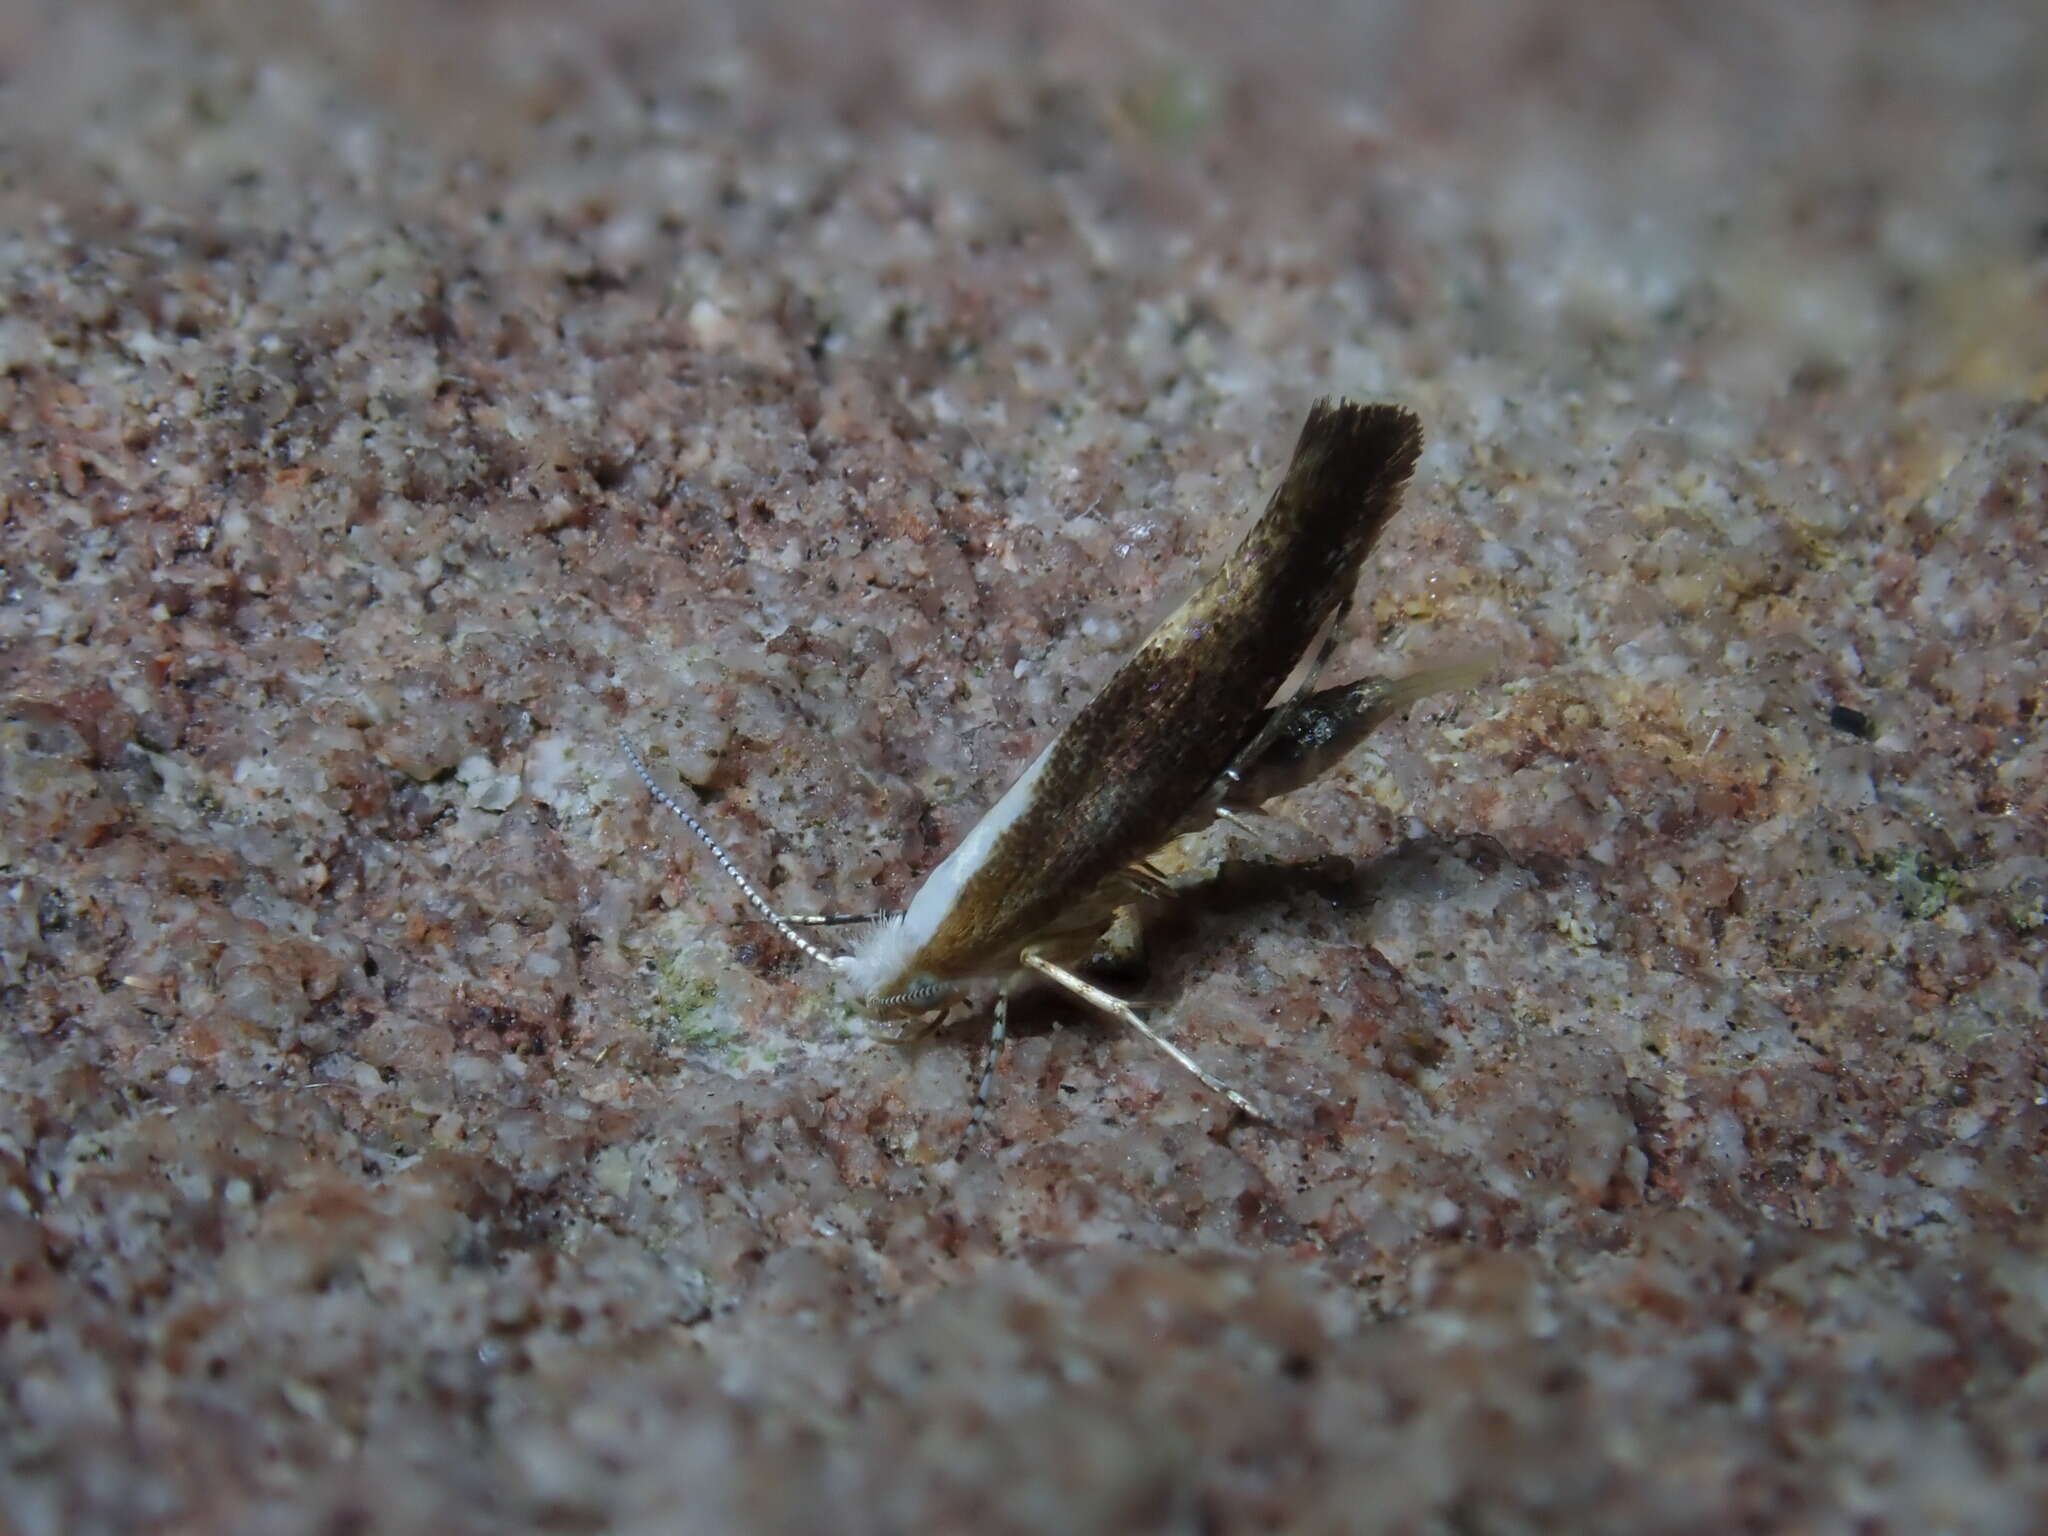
1190,727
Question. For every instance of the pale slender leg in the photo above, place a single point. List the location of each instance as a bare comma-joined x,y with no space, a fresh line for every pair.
1263,836
1128,1016
910,1031
1123,941
1145,882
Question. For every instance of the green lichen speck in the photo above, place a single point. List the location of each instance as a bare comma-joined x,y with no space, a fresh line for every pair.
1925,888
1173,107
682,1003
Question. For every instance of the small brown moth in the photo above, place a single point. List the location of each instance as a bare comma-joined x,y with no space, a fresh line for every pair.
1183,732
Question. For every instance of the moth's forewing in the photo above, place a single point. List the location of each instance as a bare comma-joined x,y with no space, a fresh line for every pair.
1121,777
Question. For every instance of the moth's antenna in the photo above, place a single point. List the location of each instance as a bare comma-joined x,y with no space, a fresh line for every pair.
775,918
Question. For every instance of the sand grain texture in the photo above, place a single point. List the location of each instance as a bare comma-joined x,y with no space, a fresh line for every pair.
402,1129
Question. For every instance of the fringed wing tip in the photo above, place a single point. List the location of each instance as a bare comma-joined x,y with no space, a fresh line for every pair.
1379,440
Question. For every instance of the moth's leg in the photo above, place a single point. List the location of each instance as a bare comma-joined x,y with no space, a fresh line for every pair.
1122,943
1128,1016
999,1031
1276,718
1253,829
1144,881
836,919
910,1031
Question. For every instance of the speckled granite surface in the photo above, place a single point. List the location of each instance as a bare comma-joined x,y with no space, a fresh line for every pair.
401,1129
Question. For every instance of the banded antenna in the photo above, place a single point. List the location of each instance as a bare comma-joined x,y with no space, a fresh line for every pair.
781,924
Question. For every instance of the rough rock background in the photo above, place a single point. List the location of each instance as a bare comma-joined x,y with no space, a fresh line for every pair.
403,1129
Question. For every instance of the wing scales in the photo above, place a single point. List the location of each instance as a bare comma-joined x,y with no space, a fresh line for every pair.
1118,781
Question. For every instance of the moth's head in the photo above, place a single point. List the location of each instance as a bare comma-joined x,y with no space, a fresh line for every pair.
889,970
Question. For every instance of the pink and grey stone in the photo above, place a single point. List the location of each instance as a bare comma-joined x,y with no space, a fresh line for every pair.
403,1127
